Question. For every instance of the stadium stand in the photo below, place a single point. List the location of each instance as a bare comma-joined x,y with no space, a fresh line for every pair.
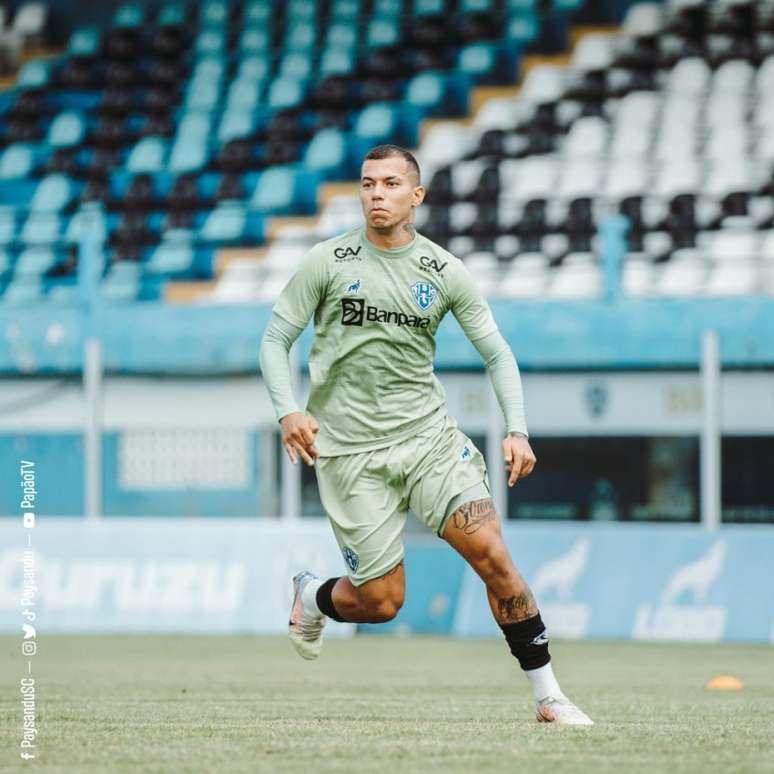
182,129
668,123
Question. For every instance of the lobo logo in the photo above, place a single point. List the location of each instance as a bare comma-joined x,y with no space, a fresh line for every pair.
428,263
564,618
673,620
347,254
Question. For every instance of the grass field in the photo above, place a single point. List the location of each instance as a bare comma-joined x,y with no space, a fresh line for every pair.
373,704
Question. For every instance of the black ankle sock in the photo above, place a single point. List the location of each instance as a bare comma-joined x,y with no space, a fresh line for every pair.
528,642
325,600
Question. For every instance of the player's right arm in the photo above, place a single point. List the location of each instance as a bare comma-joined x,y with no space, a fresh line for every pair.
293,310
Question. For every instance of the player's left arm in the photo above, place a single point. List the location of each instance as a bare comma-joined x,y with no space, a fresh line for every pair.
476,320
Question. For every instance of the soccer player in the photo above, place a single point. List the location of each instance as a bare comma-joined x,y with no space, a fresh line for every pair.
376,426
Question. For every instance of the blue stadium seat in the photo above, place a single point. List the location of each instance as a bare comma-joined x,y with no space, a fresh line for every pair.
34,261
195,124
255,41
436,93
202,95
147,156
89,222
122,282
41,228
255,67
256,15
172,15
174,257
335,61
488,63
383,31
478,6
231,222
34,75
208,68
84,42
244,94
236,123
285,93
188,154
523,28
429,7
388,7
302,9
296,64
341,36
5,263
53,194
327,154
129,16
17,161
346,11
300,36
67,129
210,42
214,14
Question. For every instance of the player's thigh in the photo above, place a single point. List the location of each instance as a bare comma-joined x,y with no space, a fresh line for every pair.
447,463
366,511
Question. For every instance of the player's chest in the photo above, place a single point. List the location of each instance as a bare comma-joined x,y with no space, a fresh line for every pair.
387,296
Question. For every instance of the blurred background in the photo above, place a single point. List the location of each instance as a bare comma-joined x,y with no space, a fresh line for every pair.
604,168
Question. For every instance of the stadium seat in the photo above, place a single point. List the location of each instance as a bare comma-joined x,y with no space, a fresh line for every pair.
16,162
53,194
147,156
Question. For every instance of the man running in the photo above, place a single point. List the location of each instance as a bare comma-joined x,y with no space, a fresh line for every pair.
376,426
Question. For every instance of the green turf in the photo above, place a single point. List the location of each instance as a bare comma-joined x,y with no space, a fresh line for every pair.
373,704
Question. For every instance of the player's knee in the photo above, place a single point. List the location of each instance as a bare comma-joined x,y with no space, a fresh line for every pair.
388,609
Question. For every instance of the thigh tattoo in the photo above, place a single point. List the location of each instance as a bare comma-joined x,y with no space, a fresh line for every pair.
470,517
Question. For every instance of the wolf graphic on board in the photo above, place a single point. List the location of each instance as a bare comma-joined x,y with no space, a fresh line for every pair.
681,619
558,577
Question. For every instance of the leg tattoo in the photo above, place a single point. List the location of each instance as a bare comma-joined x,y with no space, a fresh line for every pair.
470,517
518,608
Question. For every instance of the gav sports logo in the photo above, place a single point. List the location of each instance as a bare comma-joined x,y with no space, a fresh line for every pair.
344,254
355,312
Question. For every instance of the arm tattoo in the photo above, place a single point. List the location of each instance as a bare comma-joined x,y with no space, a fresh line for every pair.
470,517
513,609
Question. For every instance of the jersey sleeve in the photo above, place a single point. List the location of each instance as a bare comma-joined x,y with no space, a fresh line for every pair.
302,295
469,306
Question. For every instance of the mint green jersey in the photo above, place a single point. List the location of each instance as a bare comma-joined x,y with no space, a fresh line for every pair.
375,317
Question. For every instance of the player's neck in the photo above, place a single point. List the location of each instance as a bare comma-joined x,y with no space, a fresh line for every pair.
399,235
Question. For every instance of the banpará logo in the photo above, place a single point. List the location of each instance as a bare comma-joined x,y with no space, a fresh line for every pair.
424,294
431,263
353,287
351,558
347,253
465,452
355,312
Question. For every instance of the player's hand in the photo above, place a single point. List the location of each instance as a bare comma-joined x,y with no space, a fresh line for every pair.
298,432
519,457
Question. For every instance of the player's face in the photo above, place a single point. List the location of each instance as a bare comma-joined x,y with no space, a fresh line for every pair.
389,192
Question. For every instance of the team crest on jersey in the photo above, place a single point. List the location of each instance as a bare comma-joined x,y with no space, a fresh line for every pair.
353,288
351,558
465,453
425,294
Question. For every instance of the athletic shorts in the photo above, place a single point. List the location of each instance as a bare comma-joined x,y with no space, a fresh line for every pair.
367,495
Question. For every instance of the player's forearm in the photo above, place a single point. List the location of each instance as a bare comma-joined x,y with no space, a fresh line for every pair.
506,380
275,364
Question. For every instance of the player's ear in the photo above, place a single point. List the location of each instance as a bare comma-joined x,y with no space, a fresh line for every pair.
419,195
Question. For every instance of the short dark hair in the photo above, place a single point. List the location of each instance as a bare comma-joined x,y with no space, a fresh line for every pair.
387,151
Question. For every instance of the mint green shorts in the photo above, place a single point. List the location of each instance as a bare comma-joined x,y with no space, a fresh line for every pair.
367,495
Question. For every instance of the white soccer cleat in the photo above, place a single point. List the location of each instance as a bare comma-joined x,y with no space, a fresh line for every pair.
305,630
562,712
